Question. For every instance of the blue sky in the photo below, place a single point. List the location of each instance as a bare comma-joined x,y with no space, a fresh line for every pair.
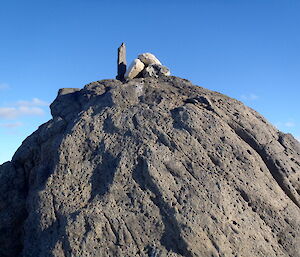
246,49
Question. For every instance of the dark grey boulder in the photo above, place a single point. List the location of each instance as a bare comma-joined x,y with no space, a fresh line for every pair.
151,167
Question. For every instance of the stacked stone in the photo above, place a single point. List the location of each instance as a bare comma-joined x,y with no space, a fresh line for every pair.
146,65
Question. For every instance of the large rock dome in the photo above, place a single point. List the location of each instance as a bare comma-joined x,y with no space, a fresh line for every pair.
151,167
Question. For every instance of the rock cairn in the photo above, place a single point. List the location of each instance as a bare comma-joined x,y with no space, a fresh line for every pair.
146,65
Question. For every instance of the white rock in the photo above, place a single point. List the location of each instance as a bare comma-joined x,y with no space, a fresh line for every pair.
134,69
148,58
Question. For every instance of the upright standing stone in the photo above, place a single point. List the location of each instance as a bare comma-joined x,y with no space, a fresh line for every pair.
121,62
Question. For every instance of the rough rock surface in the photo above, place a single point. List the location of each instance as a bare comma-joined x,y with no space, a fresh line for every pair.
148,59
134,69
155,71
151,167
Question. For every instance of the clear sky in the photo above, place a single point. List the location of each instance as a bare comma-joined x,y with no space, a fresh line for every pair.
246,49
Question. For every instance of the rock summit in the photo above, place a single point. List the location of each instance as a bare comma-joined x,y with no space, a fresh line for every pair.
151,167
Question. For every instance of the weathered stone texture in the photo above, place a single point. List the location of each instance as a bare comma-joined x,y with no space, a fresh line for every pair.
155,71
151,167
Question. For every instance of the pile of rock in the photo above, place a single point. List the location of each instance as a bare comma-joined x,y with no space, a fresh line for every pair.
146,65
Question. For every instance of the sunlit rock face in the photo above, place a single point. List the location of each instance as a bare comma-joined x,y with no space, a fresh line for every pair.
148,59
151,167
134,69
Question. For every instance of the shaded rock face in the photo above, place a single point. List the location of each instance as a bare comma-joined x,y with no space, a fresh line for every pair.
151,167
155,70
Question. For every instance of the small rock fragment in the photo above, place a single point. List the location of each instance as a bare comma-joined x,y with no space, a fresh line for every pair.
155,70
148,58
134,69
